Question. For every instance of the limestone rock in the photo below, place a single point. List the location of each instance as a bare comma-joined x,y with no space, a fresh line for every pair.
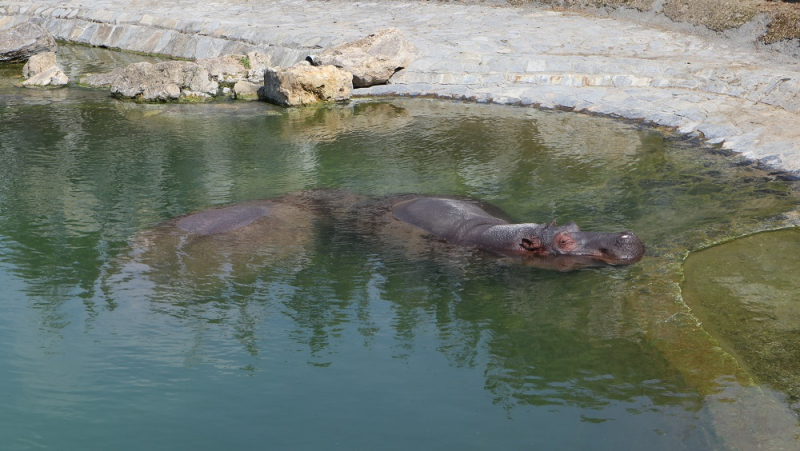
53,77
39,63
246,90
19,43
304,84
235,68
226,68
257,64
104,80
168,80
42,70
172,80
371,60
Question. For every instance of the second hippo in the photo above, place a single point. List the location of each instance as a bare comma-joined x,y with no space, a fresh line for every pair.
463,222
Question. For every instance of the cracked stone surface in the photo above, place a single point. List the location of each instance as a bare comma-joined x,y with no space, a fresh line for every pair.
745,100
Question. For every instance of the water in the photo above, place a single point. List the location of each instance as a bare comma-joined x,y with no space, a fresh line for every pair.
335,339
746,292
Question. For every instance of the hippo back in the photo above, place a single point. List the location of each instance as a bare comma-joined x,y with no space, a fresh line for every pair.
450,219
223,220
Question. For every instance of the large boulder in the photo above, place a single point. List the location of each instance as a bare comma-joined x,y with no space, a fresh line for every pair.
19,43
257,63
230,69
42,70
371,60
173,80
168,80
304,84
39,63
225,69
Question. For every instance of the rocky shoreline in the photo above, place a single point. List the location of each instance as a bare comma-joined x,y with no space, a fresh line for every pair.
741,98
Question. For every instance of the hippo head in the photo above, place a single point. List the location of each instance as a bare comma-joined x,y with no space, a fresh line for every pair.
569,240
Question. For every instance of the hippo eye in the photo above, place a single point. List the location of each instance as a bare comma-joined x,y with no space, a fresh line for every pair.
564,241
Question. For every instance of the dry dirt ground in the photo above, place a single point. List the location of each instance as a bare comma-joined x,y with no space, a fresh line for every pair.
775,23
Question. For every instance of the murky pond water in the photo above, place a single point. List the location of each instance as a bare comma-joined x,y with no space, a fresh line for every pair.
747,293
347,343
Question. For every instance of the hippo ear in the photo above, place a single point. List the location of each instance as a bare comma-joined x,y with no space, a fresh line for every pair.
531,244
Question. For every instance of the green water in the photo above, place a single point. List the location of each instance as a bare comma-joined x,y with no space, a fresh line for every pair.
747,292
345,342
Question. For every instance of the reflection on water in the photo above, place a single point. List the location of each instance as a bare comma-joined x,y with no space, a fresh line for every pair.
323,336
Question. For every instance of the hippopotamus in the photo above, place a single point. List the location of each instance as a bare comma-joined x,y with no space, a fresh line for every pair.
282,232
238,240
463,222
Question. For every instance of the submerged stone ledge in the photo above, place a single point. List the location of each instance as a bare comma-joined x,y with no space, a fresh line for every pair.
743,99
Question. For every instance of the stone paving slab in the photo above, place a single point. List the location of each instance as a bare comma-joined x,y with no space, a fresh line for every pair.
747,101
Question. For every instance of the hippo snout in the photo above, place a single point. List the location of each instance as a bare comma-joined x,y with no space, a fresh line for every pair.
627,238
628,246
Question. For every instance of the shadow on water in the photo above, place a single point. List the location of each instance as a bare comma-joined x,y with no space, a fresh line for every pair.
328,312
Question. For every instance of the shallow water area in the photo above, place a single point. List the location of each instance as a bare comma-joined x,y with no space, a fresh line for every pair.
329,337
75,60
747,294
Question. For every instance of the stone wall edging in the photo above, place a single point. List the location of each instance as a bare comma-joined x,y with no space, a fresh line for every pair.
192,39
143,34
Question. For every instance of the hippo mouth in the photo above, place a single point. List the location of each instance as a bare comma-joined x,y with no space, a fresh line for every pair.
566,263
627,248
616,259
613,248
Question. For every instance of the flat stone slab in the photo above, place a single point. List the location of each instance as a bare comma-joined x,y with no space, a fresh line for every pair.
745,100
23,41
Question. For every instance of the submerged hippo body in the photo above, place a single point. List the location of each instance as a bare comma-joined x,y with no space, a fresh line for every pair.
235,241
464,222
283,232
223,220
